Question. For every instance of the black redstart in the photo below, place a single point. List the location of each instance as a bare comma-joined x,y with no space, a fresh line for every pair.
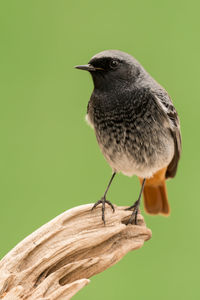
136,126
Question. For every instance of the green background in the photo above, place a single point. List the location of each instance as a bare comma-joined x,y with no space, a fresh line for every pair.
50,160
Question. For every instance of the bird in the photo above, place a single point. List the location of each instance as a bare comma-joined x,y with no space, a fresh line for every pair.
136,126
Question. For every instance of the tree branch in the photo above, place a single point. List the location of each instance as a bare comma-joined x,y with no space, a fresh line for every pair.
57,260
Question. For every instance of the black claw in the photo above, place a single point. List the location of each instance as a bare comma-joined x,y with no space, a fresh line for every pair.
136,213
109,203
97,203
103,201
130,207
135,208
133,217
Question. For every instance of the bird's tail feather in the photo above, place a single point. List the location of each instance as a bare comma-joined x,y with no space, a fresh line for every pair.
155,195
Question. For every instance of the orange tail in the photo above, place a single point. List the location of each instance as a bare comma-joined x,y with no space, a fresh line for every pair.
155,194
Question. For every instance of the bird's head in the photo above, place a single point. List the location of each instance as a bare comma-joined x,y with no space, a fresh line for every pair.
111,68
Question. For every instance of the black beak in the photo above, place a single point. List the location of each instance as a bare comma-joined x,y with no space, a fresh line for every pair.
88,67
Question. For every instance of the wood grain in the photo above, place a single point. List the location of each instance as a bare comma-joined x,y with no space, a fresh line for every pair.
57,260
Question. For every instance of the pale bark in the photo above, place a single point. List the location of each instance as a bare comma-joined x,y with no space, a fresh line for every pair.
57,260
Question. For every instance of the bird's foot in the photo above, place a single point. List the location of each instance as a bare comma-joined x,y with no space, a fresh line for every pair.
135,208
103,201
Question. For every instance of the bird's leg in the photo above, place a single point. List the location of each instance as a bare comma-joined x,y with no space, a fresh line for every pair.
136,205
103,199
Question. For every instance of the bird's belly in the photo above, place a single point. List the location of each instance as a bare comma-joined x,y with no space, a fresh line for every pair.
130,167
141,161
142,154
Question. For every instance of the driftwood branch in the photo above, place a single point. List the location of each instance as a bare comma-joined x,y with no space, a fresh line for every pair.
57,260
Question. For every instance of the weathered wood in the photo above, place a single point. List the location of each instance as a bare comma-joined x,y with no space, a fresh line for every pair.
57,260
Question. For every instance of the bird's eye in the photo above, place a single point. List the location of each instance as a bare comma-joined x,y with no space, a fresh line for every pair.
114,64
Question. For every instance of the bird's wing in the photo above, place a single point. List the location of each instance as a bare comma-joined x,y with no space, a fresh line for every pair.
165,104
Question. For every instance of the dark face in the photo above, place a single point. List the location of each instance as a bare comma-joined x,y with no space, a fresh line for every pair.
110,71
